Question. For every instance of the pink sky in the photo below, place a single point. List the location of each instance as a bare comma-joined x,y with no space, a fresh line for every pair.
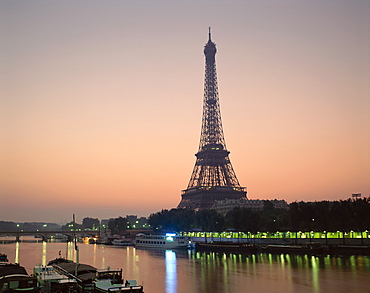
101,102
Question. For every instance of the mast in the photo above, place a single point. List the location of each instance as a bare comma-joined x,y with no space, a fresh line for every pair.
76,246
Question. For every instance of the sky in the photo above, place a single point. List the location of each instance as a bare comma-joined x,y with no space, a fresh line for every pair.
101,102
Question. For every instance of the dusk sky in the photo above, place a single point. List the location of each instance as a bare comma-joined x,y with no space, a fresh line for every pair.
101,102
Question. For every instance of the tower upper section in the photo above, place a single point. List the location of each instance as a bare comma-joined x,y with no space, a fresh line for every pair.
212,134
210,49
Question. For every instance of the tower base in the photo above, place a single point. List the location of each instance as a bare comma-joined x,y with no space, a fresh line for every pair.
204,197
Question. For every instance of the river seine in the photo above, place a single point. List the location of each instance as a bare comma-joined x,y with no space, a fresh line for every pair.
186,271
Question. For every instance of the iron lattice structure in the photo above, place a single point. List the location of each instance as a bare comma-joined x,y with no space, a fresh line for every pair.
213,176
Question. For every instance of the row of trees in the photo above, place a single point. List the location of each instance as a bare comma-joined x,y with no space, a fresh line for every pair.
344,215
115,225
28,226
87,223
240,219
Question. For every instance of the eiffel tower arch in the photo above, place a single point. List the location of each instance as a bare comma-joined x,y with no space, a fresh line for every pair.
213,177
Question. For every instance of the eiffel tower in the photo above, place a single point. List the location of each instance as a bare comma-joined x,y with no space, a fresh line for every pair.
213,176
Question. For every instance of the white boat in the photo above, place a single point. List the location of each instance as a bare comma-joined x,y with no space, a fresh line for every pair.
167,241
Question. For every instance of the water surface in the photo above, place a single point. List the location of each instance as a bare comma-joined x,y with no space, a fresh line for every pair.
183,271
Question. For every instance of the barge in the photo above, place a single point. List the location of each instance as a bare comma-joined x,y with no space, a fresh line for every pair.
92,280
226,246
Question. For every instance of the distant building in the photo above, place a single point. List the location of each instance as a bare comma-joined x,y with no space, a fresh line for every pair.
131,219
137,223
133,222
280,204
226,205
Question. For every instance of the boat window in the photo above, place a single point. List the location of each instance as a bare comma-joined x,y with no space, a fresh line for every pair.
13,284
26,283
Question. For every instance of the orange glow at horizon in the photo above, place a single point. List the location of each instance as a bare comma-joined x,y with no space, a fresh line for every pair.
101,108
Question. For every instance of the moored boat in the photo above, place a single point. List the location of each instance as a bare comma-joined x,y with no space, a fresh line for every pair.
51,281
103,240
122,242
90,279
226,246
167,241
312,248
349,249
14,278
58,260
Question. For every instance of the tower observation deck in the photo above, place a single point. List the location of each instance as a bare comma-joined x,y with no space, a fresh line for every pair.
213,176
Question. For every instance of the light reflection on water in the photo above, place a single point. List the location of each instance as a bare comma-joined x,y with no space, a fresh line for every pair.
171,272
197,272
16,258
283,273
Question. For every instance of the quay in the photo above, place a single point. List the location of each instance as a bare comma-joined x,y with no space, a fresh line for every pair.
300,237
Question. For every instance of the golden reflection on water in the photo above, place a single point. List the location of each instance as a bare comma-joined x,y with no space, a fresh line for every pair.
44,244
16,258
94,257
70,249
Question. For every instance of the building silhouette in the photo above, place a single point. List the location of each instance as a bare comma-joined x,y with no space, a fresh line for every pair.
213,176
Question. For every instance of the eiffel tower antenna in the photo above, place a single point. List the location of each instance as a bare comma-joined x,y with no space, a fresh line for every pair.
213,177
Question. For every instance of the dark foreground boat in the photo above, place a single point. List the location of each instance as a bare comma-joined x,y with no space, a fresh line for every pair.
14,278
50,281
90,280
226,246
314,248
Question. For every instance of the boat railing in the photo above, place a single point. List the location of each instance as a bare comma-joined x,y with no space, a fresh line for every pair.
66,273
139,288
